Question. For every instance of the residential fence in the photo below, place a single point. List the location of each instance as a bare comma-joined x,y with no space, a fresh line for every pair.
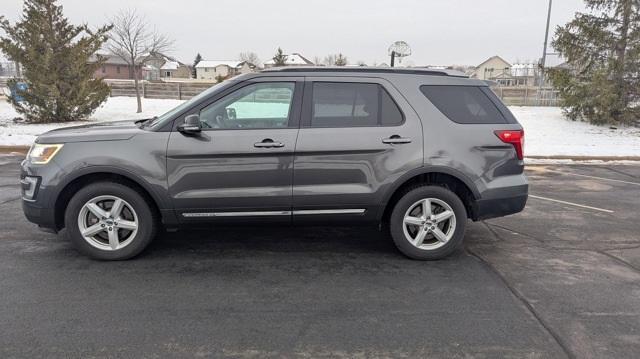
158,90
527,95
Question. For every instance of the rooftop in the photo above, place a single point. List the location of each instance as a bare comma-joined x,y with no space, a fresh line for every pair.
294,59
216,63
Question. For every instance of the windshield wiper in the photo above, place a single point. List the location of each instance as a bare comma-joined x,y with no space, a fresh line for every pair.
144,121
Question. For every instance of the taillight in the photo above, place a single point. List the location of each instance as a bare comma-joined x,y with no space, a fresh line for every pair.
516,138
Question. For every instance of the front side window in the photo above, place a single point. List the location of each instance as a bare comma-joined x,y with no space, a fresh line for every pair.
260,105
339,104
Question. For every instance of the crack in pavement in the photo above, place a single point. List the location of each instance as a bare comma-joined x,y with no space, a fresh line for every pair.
620,260
556,337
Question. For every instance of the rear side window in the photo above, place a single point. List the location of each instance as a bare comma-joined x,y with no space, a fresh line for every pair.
340,104
464,104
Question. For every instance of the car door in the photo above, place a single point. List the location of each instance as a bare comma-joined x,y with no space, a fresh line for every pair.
358,136
241,164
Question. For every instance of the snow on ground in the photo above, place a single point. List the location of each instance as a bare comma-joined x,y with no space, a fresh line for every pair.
116,108
547,132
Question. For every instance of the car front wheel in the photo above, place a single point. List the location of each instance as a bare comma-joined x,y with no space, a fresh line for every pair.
110,221
428,223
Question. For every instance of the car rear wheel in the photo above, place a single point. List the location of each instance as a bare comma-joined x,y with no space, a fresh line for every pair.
110,221
428,223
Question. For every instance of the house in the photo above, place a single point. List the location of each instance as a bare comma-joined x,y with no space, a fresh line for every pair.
295,59
114,67
494,68
175,69
214,69
150,73
526,74
169,67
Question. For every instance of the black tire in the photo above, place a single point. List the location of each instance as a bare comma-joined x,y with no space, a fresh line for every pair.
410,197
147,220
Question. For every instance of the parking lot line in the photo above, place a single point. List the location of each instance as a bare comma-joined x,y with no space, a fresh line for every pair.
571,204
594,177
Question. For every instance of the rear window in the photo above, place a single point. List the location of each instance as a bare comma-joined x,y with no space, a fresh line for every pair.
467,104
340,104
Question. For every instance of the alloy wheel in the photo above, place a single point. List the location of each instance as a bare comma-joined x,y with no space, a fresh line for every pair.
429,223
108,222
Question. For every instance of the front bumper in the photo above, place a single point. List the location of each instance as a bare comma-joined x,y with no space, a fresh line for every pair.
44,217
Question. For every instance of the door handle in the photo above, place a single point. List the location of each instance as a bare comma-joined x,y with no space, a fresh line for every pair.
268,143
396,140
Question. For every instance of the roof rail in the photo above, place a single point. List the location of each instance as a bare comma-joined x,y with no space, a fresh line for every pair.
366,69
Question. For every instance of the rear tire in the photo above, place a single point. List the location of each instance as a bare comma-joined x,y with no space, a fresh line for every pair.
118,222
428,223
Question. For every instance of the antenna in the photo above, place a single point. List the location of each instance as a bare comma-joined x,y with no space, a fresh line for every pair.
399,49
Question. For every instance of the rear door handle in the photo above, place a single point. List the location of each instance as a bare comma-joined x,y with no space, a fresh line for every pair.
268,143
396,140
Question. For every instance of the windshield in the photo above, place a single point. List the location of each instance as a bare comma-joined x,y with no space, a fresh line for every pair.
183,106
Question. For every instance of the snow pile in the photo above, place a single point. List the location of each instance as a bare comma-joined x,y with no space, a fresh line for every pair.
547,132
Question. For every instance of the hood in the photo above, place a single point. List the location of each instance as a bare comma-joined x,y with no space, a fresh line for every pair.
100,131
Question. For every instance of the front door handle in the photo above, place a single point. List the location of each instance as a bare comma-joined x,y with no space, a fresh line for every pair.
396,140
268,143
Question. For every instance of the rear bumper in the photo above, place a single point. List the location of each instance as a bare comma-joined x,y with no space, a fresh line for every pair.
498,207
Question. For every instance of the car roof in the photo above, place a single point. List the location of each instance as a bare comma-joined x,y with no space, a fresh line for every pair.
365,69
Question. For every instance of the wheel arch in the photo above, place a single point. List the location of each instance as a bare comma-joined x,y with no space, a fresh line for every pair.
449,178
92,174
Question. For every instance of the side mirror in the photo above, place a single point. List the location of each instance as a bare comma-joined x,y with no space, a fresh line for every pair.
191,125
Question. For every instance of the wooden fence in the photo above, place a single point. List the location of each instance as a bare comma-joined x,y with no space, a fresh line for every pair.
159,90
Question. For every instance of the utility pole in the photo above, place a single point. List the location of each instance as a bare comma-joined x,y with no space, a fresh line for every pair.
544,54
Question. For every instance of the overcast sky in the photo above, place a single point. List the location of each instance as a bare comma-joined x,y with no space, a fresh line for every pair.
440,32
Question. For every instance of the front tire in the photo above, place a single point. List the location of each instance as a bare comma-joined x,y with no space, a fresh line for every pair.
428,223
110,221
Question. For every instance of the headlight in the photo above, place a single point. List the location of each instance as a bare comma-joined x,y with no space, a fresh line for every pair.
41,154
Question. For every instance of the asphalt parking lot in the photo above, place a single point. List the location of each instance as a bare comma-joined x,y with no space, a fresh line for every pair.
561,279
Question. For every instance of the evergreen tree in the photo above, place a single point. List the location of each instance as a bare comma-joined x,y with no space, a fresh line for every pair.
196,61
54,56
341,60
280,59
602,47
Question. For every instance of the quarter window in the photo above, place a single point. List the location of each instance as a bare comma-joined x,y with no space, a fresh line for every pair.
338,104
260,105
464,104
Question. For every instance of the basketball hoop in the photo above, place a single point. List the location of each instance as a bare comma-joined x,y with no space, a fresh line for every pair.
399,49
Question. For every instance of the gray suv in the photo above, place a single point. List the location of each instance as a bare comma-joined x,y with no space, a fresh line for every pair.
414,151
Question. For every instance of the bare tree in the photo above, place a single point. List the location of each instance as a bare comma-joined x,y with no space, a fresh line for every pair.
133,41
329,60
250,57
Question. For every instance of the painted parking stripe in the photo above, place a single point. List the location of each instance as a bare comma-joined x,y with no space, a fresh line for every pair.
595,177
571,204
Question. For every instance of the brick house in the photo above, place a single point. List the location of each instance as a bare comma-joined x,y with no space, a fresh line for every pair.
115,68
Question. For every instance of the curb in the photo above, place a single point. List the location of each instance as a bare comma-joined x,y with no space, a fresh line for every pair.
585,158
14,149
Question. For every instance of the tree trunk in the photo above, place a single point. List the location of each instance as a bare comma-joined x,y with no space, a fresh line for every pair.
135,84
